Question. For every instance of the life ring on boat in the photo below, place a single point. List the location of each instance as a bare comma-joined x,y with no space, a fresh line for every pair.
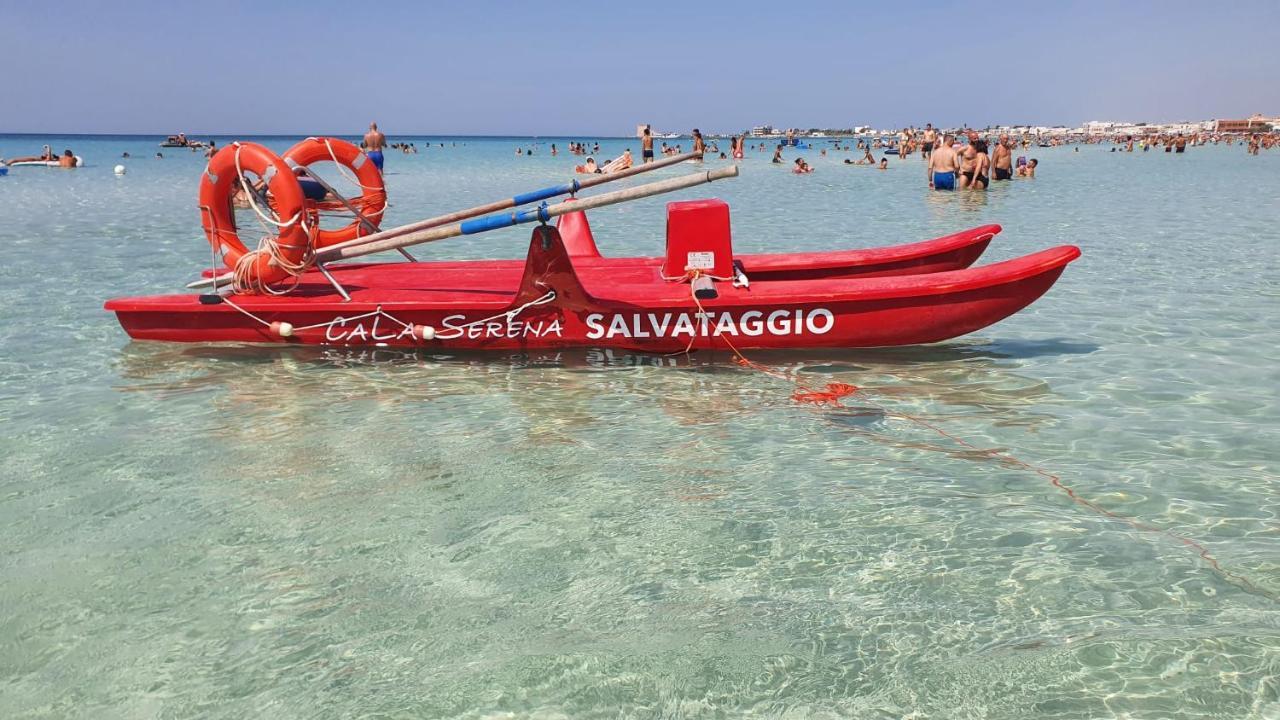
373,191
278,257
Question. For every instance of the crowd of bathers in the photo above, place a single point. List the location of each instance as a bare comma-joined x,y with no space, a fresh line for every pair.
1253,142
580,148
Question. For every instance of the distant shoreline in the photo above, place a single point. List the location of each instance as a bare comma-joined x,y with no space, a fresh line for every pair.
197,136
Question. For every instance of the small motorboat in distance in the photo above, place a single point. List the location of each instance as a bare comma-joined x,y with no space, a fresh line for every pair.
698,295
181,140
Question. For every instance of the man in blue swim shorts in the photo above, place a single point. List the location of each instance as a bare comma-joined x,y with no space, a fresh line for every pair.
374,142
943,164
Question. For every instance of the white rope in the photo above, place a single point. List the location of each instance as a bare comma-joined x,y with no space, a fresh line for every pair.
353,179
245,277
249,195
338,320
509,315
379,312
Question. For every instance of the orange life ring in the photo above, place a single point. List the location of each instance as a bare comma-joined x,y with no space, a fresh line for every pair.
373,192
288,251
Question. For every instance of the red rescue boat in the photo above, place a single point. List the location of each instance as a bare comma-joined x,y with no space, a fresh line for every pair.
555,300
295,289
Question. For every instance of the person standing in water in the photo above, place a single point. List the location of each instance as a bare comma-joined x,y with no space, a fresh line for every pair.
698,145
975,177
646,146
374,142
738,142
930,138
942,165
1002,160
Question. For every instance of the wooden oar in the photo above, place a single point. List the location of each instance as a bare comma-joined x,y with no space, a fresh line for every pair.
346,251
568,188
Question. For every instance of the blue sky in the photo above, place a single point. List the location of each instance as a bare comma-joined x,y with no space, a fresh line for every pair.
482,67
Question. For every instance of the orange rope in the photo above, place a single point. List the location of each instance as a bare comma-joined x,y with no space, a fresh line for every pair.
830,396
1057,482
834,391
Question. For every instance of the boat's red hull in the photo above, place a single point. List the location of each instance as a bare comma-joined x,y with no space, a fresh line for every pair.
590,302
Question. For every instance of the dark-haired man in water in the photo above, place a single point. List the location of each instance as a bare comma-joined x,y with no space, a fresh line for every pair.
930,138
646,146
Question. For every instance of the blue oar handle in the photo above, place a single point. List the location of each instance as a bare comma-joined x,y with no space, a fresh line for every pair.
494,222
545,193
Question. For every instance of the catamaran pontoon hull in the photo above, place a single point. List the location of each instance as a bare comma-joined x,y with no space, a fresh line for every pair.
553,300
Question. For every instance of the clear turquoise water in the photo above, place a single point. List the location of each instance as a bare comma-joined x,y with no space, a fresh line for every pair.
243,532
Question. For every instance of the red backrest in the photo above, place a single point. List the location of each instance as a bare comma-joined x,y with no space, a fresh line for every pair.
698,238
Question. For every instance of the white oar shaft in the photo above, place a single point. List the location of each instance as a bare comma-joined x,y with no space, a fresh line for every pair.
564,189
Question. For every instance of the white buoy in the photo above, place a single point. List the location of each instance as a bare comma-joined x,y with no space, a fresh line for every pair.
283,329
120,170
424,332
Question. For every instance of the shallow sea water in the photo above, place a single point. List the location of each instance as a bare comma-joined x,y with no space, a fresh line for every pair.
229,532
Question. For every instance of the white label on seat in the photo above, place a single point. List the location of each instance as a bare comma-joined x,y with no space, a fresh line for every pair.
701,261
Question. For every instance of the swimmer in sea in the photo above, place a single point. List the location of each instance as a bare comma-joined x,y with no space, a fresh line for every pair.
777,154
884,163
68,159
737,146
801,167
374,142
942,165
698,145
1028,170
